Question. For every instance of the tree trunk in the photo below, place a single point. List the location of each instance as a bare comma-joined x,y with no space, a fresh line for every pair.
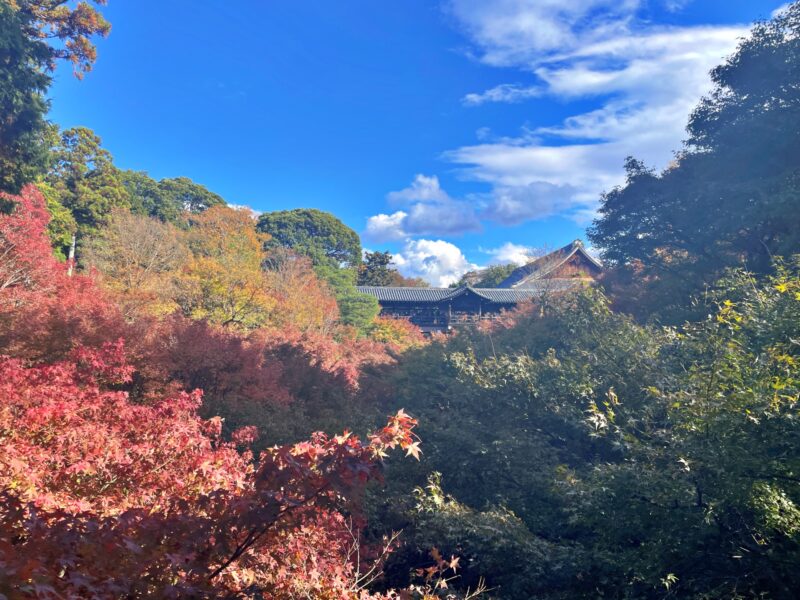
71,257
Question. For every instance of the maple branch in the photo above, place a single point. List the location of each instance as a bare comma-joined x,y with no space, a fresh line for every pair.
254,534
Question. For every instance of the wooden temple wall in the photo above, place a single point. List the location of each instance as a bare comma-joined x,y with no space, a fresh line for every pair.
443,317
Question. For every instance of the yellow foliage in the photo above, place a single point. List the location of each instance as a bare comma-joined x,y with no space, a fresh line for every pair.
399,333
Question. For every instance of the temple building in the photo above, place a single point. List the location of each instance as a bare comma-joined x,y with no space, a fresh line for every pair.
442,309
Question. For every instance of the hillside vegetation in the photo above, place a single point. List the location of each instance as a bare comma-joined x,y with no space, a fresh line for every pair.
196,402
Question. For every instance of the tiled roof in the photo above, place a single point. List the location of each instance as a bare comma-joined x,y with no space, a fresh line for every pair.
535,290
497,295
406,294
541,267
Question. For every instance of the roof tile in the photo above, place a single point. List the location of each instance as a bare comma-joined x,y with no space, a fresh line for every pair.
497,295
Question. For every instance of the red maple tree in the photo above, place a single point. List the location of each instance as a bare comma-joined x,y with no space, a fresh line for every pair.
108,494
105,497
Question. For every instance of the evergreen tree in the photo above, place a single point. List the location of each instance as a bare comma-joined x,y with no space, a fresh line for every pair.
23,82
319,235
733,196
375,269
84,180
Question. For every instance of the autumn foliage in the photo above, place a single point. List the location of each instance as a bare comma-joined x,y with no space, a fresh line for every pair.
111,483
25,255
105,497
399,334
73,26
44,313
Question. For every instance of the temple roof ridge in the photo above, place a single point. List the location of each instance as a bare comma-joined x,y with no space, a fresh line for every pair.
543,266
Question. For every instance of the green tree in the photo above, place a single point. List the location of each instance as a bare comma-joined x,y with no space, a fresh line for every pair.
34,34
489,277
733,195
355,309
358,310
73,25
146,198
335,251
319,235
168,199
375,269
585,455
62,227
183,194
23,83
84,180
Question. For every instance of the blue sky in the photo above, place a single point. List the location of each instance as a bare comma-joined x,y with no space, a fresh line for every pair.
454,134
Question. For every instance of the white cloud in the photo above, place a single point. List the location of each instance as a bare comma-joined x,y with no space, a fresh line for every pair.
438,262
676,5
385,228
483,133
506,92
645,79
253,212
510,253
553,175
427,210
512,32
422,189
514,203
780,10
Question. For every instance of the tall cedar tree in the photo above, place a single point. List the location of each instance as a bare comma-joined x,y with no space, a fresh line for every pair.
72,24
23,129
27,56
84,180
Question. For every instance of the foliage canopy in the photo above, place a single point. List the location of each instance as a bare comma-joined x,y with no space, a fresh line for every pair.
731,198
316,234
